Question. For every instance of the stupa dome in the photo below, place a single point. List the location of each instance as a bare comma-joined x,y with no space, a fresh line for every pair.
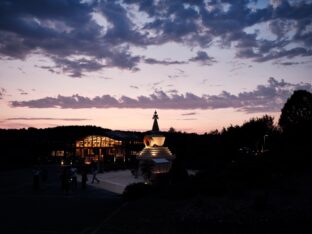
154,151
154,140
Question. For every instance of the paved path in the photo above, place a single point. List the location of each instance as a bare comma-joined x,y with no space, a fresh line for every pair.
115,181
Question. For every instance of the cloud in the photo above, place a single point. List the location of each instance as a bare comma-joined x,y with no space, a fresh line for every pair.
203,58
22,92
67,29
21,70
265,98
52,69
291,53
289,63
104,33
134,87
33,118
190,113
76,67
178,74
280,27
162,62
238,66
2,92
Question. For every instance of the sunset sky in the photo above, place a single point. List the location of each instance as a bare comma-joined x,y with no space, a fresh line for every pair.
202,65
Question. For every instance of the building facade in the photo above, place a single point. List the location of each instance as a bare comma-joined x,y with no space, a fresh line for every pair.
111,147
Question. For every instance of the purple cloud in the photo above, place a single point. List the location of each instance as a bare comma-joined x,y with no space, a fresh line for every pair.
203,58
265,98
162,62
62,30
2,92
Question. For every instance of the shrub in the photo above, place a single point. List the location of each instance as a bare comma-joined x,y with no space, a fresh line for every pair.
136,190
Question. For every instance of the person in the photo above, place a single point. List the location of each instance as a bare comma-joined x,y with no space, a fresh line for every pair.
94,172
36,178
65,180
73,174
84,178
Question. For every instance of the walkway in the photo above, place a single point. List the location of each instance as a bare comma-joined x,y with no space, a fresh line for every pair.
115,181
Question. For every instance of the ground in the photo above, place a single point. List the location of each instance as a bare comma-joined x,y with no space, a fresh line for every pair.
286,207
50,210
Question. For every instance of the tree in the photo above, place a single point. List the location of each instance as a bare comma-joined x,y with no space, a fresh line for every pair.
172,130
297,110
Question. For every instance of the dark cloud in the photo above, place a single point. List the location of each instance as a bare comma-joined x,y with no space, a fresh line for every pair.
291,53
122,28
63,30
76,67
280,27
203,58
289,63
173,91
134,87
265,98
162,62
52,69
122,58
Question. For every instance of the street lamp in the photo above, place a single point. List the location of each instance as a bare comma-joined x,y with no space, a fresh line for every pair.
263,146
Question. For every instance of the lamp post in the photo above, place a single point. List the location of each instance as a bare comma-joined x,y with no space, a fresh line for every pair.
263,146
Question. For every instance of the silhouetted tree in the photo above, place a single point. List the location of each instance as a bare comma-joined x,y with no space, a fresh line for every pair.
171,130
294,145
297,111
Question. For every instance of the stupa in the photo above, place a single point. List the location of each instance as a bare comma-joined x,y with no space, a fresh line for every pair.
154,153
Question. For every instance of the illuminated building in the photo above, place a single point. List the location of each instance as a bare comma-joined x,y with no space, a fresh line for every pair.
109,147
154,153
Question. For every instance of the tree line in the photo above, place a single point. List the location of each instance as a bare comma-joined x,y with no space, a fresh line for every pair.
256,140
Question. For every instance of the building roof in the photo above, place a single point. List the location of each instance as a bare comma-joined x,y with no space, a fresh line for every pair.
119,135
160,160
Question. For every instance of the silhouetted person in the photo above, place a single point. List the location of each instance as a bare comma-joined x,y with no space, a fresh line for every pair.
94,172
135,169
84,178
65,180
36,178
73,174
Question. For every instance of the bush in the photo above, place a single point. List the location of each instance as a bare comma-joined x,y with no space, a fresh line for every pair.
136,190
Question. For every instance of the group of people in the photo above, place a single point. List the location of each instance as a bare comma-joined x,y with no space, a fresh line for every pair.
69,177
39,175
